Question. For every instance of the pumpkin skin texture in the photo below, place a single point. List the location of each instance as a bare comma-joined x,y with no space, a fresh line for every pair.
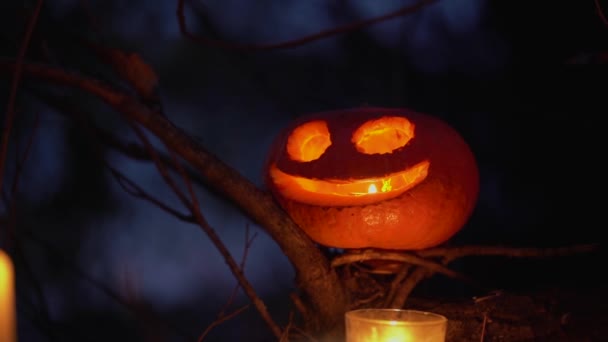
350,179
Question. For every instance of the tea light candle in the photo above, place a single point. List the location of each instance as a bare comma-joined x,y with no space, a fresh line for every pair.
393,325
8,320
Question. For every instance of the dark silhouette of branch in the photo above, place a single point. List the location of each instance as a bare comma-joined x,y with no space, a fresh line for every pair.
10,107
56,254
24,157
357,25
236,269
293,333
150,153
10,202
4,140
600,12
221,319
295,244
404,272
194,207
408,285
222,316
313,271
136,191
129,149
405,257
422,264
451,253
160,166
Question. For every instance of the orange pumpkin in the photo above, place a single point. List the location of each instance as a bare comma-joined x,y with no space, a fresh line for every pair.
374,177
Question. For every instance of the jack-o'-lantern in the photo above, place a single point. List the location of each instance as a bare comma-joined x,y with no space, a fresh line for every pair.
374,177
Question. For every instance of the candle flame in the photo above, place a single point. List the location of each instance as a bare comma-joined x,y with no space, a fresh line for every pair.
372,189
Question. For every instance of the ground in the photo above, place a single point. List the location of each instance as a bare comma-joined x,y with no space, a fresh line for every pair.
554,315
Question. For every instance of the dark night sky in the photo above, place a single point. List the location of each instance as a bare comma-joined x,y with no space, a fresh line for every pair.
502,74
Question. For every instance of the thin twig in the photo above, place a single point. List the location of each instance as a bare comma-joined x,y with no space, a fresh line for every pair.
312,267
192,205
132,150
357,25
285,336
452,253
24,156
109,292
493,294
483,327
130,187
297,333
396,282
197,217
136,191
299,304
19,250
370,299
10,203
160,166
370,254
220,320
400,291
600,12
10,107
222,316
419,274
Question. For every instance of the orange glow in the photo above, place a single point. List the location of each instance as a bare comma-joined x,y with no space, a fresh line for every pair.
391,325
7,299
383,135
348,192
309,141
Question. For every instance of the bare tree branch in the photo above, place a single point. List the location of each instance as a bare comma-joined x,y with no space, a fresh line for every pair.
600,12
405,270
56,254
422,264
136,191
10,107
405,257
222,316
196,217
183,26
10,202
408,285
451,253
193,205
129,149
313,271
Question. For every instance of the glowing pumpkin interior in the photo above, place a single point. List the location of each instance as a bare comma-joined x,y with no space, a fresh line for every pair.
310,141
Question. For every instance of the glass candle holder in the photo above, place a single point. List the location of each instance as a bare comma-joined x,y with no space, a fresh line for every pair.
394,325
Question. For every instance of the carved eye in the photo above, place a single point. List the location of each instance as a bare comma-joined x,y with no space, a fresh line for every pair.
309,141
383,135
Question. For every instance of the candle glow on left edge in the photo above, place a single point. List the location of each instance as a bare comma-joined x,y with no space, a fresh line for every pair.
8,320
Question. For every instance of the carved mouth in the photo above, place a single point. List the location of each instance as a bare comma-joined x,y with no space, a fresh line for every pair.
338,192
